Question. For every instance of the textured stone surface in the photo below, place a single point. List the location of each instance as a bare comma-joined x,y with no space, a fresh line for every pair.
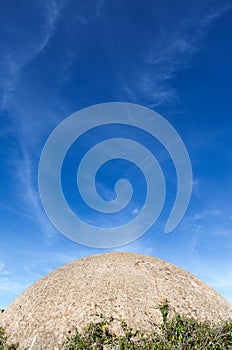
119,284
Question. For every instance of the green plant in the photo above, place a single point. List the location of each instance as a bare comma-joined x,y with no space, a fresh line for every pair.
3,342
94,336
164,309
179,332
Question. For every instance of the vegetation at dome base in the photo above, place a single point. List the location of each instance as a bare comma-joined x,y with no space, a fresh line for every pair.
179,332
4,345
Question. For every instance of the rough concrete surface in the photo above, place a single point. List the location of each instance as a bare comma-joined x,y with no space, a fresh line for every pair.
124,285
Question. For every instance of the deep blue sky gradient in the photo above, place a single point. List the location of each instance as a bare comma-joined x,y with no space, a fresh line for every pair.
60,56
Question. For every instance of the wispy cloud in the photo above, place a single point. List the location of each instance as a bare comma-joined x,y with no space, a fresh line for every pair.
207,213
139,246
10,286
13,61
17,277
172,52
3,270
90,12
214,13
26,127
220,280
29,195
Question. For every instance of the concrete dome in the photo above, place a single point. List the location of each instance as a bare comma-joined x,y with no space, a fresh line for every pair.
118,284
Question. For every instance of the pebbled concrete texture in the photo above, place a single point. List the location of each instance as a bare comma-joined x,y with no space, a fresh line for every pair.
127,285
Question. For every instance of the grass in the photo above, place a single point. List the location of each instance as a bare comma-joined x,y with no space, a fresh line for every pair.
179,332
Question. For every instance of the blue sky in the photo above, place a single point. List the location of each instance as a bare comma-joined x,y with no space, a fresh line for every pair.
58,57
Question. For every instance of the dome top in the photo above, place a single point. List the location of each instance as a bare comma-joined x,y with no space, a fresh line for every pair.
128,285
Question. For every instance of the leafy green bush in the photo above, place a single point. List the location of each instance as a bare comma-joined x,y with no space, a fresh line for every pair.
3,342
180,333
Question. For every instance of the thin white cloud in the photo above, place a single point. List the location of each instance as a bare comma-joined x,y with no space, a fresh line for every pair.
137,246
17,277
219,279
90,12
24,164
13,63
212,212
222,282
215,13
52,15
26,175
196,187
100,5
8,285
3,270
173,52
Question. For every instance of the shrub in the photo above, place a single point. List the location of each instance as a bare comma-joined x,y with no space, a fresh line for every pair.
3,342
180,333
